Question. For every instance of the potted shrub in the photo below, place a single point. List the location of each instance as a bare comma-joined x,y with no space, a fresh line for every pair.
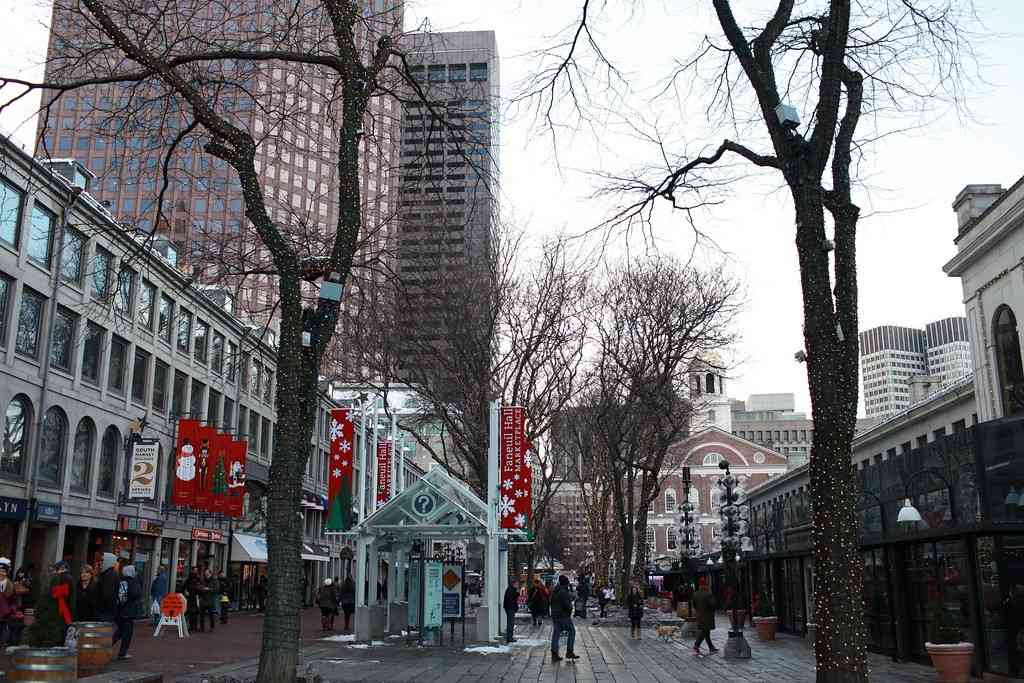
951,655
765,621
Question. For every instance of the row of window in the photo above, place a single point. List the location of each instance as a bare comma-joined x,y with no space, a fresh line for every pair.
452,73
780,435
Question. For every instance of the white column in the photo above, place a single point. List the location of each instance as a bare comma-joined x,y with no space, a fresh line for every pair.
493,564
362,461
361,543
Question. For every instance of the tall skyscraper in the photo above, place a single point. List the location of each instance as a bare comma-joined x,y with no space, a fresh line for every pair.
128,134
890,356
448,212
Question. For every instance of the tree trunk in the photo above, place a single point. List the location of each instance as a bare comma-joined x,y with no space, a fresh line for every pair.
832,381
297,378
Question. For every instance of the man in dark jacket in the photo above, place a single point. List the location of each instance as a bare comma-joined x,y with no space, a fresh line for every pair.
106,609
209,590
158,591
511,605
561,619
704,605
128,594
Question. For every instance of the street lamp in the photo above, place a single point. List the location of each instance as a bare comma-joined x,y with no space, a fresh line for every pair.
908,513
734,526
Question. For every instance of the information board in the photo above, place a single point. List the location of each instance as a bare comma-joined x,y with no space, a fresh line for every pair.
432,591
451,598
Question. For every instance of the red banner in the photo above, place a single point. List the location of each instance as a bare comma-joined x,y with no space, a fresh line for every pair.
515,506
236,477
220,443
183,484
205,465
383,472
339,471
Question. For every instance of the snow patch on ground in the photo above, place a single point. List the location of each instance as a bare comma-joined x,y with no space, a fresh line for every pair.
359,646
507,648
347,638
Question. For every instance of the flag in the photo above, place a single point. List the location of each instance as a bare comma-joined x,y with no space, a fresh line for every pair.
205,456
339,471
183,485
236,477
383,472
515,498
219,444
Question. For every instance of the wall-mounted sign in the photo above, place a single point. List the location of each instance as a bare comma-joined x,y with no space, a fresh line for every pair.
13,508
139,526
143,468
46,512
451,598
199,534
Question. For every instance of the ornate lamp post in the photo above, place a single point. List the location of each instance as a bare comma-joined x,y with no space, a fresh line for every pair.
734,526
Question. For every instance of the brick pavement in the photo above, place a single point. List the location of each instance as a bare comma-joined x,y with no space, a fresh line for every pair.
607,655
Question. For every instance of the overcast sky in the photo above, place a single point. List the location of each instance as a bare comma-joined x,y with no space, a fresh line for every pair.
911,179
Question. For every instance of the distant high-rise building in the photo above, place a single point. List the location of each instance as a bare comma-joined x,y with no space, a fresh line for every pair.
890,356
126,133
447,216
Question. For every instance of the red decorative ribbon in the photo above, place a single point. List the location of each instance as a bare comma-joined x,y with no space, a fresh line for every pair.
60,593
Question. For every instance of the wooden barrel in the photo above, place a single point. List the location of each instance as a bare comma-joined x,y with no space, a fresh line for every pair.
42,665
95,646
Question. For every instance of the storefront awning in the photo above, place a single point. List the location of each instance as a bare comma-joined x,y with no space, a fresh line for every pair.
246,548
315,552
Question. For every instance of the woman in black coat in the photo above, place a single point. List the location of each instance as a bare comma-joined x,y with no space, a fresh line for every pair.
635,605
87,595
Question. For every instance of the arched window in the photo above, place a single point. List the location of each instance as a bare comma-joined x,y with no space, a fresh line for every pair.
109,449
670,500
709,382
694,498
712,459
81,456
54,444
672,539
1011,372
17,421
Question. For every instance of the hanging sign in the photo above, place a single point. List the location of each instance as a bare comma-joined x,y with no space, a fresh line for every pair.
183,485
515,470
205,468
219,445
339,472
236,457
143,467
383,472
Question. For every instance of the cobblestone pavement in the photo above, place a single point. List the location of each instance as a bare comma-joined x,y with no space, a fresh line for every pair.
607,654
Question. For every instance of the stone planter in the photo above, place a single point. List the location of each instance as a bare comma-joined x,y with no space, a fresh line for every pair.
766,627
952,661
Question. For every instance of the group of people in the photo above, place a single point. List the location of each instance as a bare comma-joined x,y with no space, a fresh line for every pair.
206,593
542,601
15,597
115,596
332,595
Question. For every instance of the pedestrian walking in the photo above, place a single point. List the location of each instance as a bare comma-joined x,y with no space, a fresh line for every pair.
106,604
704,605
223,597
604,597
193,584
347,597
561,620
157,592
8,602
61,590
511,605
538,601
87,595
336,589
584,595
22,601
635,606
326,601
129,593
261,593
209,590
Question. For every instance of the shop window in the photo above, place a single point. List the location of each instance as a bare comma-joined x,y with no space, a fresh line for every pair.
17,422
81,457
1011,371
51,452
109,449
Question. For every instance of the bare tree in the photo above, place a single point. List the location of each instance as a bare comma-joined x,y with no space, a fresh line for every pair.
184,77
841,63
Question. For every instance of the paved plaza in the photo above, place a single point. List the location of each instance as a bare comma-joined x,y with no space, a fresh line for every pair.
607,654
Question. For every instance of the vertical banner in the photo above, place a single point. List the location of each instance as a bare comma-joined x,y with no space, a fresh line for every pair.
219,445
204,468
236,477
183,484
383,472
433,588
514,471
339,471
143,468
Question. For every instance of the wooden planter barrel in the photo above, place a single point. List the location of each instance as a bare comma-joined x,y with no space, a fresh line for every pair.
43,665
95,646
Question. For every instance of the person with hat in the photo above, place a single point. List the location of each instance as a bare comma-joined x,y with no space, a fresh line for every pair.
106,608
327,600
561,620
61,589
127,609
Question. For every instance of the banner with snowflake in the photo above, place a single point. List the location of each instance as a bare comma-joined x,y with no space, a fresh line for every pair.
383,472
339,472
515,502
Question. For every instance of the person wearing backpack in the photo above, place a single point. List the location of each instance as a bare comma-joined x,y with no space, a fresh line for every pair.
128,594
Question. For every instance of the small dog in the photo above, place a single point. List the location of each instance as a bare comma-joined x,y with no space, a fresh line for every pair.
667,633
